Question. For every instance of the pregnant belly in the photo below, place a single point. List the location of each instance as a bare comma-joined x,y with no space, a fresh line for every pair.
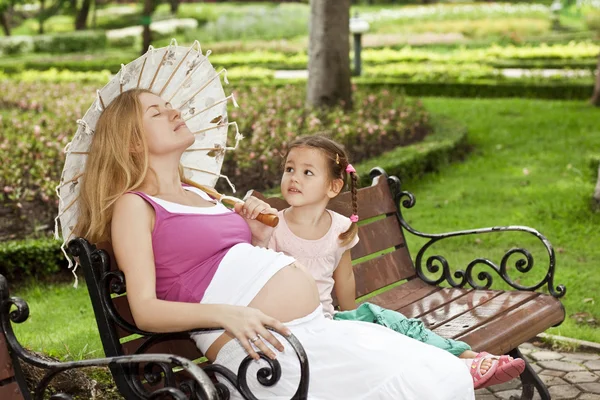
290,294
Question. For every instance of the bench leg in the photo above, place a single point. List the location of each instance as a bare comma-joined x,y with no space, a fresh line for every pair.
530,380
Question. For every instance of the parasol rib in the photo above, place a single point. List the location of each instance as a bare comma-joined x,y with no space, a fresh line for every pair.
209,107
204,86
188,78
160,65
176,69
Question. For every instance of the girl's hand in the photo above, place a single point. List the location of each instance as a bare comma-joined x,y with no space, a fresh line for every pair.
251,209
247,325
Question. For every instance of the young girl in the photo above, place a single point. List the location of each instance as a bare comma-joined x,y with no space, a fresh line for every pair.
316,170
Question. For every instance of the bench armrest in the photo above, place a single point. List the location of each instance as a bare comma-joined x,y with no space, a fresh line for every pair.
483,279
200,384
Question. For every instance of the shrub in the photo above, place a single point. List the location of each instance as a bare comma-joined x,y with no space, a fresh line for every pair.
42,119
31,258
125,41
592,20
12,45
71,42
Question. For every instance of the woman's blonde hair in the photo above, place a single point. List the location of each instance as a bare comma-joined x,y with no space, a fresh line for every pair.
117,163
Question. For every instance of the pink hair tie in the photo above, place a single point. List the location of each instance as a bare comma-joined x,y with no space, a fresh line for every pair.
350,169
354,218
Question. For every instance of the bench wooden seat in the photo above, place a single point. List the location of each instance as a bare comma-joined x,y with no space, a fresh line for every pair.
496,321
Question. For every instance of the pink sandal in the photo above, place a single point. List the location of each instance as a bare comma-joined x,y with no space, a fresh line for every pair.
507,369
481,380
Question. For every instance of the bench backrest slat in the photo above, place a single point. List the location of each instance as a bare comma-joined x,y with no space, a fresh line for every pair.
6,367
11,381
378,272
378,236
11,392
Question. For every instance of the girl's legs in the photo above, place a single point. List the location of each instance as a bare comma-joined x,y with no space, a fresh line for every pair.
413,328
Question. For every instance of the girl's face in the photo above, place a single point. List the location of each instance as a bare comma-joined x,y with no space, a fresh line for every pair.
164,129
306,178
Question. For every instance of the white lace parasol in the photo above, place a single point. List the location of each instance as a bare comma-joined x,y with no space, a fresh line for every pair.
182,76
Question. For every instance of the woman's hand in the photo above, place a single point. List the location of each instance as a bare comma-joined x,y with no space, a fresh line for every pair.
251,209
247,325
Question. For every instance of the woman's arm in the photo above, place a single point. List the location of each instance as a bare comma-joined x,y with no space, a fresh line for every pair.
132,244
345,285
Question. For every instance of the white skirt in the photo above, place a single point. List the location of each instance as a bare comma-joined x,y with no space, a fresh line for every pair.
356,360
242,273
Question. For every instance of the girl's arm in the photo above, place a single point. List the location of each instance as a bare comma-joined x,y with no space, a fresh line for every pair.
345,285
132,244
261,233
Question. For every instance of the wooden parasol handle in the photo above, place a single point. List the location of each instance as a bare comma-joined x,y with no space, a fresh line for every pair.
267,219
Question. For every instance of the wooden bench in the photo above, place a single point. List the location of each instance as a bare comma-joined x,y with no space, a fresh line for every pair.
13,384
493,320
496,321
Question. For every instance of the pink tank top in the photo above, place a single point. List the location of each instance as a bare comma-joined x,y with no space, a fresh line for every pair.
188,249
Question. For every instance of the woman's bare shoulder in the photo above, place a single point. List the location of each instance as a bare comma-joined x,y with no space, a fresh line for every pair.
132,207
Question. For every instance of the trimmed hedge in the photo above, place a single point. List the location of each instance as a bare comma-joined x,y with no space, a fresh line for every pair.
482,89
434,82
546,64
71,42
31,258
488,89
446,144
13,45
42,258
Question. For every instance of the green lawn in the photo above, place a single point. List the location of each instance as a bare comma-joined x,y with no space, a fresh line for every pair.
530,167
61,321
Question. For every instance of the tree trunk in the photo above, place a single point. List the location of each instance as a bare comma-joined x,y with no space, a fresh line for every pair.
5,23
147,18
94,14
82,15
595,100
597,190
329,54
174,6
42,17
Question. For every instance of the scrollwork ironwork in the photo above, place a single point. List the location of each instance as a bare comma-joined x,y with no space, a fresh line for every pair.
460,278
266,376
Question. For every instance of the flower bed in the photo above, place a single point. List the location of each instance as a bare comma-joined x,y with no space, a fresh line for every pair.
38,119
